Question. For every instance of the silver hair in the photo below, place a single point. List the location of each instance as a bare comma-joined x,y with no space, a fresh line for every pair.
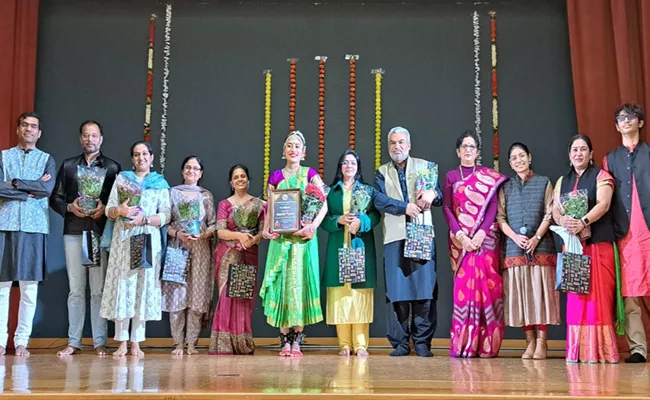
399,129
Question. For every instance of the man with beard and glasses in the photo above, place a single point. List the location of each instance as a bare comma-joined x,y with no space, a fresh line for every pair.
25,185
629,164
411,285
78,222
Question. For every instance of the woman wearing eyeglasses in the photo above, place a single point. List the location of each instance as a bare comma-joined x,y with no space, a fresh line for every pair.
188,303
470,208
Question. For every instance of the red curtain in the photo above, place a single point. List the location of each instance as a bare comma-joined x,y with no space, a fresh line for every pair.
18,36
610,58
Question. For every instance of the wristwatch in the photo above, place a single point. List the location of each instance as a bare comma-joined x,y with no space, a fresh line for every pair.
538,237
147,221
585,221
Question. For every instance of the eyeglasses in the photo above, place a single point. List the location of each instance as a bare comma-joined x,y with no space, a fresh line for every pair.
468,147
191,168
27,125
350,163
629,117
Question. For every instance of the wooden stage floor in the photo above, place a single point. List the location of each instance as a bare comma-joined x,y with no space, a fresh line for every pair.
319,374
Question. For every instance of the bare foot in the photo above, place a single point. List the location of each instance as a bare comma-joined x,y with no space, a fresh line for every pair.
3,351
345,352
102,351
68,351
135,350
178,351
121,351
362,353
21,351
191,349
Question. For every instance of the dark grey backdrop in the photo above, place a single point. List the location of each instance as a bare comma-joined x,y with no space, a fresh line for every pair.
92,65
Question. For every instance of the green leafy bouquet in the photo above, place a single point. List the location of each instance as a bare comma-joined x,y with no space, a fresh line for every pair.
90,181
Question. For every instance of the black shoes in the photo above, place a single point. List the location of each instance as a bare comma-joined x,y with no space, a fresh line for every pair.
635,358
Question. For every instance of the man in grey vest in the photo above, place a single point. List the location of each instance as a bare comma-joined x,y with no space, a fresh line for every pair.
77,222
629,164
26,182
411,285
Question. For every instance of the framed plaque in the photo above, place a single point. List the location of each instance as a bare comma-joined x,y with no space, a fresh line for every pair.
285,210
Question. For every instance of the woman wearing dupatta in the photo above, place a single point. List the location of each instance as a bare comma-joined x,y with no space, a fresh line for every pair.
188,303
350,211
591,336
470,208
240,220
134,295
290,290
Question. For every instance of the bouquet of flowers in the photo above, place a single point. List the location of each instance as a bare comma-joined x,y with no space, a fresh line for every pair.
427,179
189,211
246,221
131,191
313,199
90,181
361,198
575,204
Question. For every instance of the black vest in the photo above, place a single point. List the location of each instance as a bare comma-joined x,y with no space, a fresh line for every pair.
601,230
526,207
623,165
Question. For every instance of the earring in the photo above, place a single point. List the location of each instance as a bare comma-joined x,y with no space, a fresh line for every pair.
591,161
303,158
283,157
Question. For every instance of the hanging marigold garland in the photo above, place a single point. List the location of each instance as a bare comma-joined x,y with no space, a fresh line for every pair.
477,82
292,93
378,78
267,130
147,107
165,91
495,88
353,96
321,115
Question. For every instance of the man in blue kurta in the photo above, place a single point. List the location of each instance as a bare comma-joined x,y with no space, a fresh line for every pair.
411,287
26,182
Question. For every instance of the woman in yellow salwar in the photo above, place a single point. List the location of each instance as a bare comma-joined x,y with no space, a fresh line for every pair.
290,290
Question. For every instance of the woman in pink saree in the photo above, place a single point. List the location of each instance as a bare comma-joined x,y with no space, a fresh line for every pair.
470,208
590,318
239,228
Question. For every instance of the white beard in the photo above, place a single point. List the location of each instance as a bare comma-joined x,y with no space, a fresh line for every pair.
398,158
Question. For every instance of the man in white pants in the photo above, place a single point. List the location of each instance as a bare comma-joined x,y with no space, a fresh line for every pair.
25,185
77,222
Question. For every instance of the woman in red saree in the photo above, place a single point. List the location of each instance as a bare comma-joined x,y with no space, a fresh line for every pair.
239,228
470,208
591,336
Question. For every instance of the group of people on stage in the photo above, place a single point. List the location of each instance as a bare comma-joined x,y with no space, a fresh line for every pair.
502,253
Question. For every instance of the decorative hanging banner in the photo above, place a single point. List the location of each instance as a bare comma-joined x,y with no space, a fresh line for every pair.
321,115
292,93
378,78
165,92
495,88
267,130
477,83
352,58
147,107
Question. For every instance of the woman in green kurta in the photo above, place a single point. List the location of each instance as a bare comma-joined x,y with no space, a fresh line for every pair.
291,288
350,212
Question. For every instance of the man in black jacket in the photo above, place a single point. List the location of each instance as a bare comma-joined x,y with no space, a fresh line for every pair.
629,164
77,220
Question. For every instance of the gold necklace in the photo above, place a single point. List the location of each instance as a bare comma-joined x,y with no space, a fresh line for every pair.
290,172
460,168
